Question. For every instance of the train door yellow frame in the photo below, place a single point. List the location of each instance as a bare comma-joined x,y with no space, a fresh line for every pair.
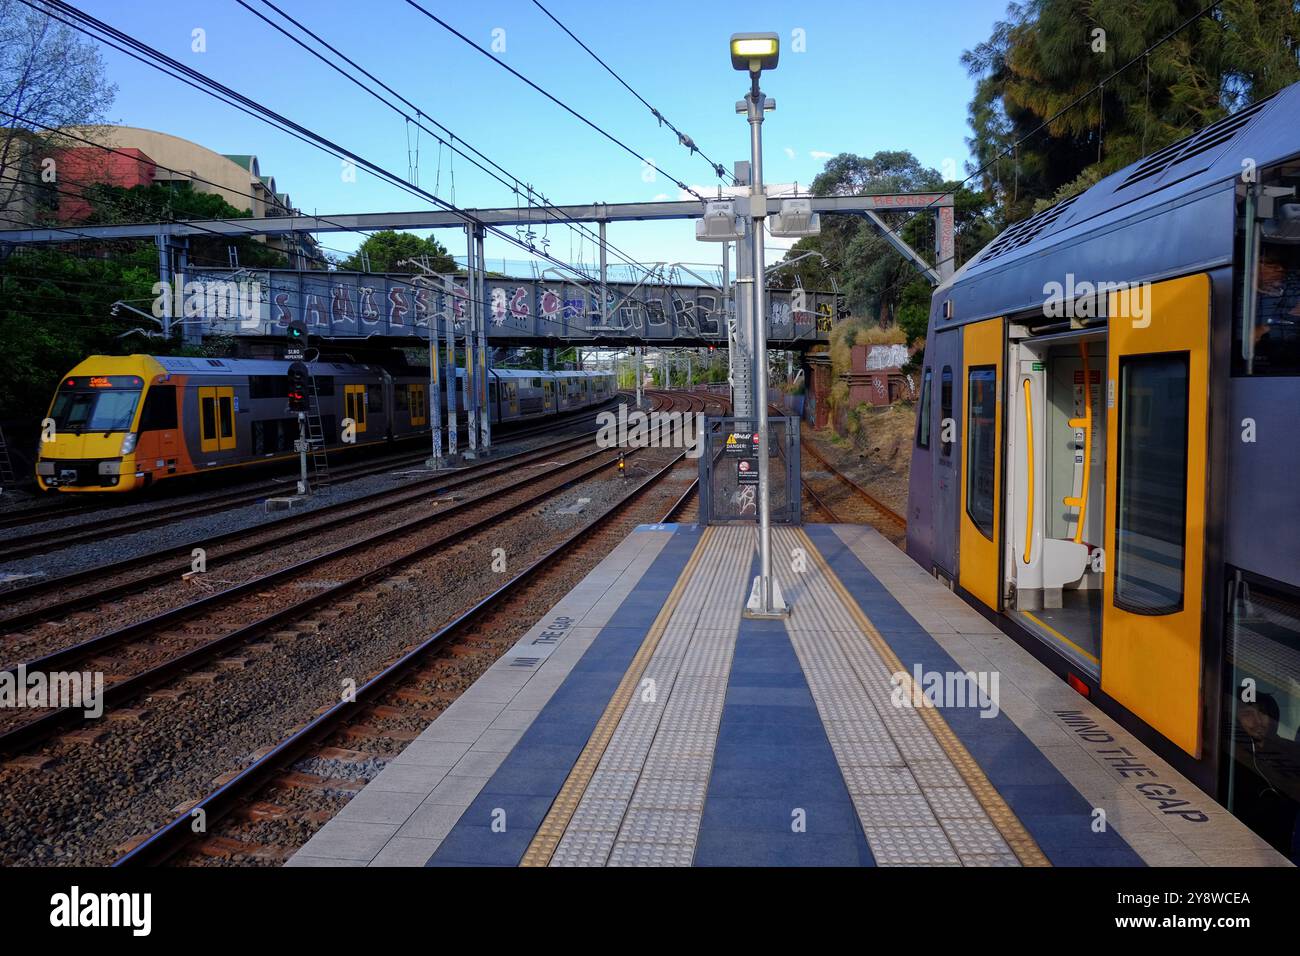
217,417
354,405
416,404
980,535
1156,457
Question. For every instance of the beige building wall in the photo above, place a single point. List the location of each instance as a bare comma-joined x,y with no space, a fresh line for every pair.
180,159
226,178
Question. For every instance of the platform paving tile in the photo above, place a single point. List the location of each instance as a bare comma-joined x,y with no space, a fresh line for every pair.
902,846
405,851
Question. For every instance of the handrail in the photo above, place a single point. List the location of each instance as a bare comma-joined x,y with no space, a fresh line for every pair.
1029,462
1085,423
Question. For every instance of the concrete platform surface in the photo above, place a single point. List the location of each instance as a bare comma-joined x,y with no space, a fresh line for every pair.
645,721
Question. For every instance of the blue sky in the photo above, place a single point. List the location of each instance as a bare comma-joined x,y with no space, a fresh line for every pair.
875,75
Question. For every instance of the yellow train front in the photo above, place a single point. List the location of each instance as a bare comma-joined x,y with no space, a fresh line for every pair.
120,423
90,439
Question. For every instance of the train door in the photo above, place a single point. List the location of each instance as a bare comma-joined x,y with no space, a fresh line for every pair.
1156,449
217,418
946,413
980,536
1056,472
548,395
416,402
354,405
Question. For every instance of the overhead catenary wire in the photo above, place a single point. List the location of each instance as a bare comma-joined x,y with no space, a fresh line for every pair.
89,26
556,100
502,175
682,138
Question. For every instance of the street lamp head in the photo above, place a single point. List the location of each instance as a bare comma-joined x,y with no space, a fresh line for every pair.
755,52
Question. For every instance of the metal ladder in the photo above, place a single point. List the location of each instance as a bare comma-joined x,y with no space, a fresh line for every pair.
320,465
7,477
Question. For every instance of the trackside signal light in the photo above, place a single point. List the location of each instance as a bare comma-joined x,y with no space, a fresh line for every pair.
298,373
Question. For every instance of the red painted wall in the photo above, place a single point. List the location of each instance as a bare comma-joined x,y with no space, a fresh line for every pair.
83,166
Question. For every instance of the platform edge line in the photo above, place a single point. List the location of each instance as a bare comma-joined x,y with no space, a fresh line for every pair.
1020,840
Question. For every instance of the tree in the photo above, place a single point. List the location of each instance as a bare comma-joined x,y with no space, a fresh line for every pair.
50,77
1048,54
387,249
866,268
163,202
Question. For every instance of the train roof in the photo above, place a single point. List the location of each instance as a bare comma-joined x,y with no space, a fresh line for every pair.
231,366
1167,214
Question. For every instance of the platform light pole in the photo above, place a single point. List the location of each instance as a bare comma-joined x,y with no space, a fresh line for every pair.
753,53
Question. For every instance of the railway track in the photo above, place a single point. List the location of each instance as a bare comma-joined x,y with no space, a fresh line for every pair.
390,708
113,581
143,654
171,510
858,505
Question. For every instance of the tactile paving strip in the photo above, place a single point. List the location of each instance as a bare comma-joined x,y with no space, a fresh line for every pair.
951,767
667,741
557,819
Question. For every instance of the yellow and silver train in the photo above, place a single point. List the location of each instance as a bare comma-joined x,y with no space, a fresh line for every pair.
1106,463
120,423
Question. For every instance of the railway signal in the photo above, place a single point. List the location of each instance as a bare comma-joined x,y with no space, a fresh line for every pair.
297,332
298,387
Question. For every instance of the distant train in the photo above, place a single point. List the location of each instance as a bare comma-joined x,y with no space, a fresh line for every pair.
125,422
1105,459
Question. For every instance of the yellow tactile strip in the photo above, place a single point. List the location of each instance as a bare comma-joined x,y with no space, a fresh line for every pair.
1002,816
551,831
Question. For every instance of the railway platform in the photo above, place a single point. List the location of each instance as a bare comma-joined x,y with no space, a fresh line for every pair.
645,721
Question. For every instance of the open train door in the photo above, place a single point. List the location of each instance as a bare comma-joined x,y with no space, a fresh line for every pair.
1157,431
981,384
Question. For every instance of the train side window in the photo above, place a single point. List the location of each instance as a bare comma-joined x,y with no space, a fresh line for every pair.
945,408
1151,497
981,446
159,409
208,418
324,385
226,412
375,401
923,413
1263,701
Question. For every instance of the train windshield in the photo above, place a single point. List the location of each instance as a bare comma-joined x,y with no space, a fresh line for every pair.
94,411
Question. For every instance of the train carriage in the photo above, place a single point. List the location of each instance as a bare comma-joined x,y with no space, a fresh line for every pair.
1103,461
118,423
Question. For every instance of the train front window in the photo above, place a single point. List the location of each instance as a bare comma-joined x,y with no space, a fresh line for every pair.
106,411
923,414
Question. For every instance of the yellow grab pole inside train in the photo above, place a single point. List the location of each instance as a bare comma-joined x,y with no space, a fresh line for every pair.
1029,482
1081,502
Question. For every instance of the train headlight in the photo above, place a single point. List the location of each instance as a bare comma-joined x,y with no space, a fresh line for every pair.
128,443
